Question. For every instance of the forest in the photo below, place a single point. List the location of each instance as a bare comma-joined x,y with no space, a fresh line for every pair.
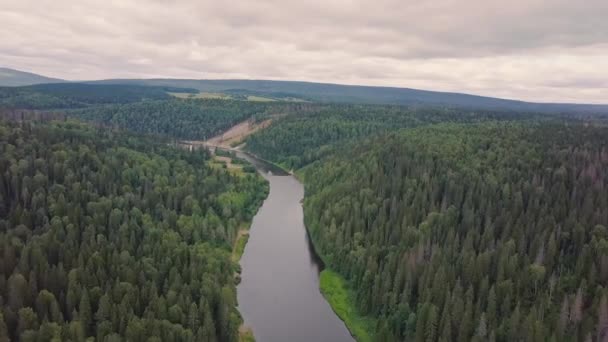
79,95
144,109
484,232
111,236
298,140
183,119
437,223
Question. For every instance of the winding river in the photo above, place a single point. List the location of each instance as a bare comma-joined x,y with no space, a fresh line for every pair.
279,295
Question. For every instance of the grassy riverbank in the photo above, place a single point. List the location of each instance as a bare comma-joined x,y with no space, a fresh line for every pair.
335,289
246,335
239,246
340,297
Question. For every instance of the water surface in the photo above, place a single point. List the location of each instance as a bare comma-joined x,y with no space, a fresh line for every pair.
279,294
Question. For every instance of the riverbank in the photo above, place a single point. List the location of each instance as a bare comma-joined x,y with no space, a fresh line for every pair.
264,301
336,290
239,245
280,272
245,332
342,300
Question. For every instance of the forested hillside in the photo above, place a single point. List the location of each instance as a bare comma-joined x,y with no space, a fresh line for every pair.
440,224
116,237
144,109
184,119
484,232
298,140
191,119
340,93
78,95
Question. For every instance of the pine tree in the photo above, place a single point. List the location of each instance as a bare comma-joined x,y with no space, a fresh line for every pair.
27,320
431,324
602,324
104,308
514,325
3,328
84,312
482,328
421,320
193,319
576,311
564,315
491,307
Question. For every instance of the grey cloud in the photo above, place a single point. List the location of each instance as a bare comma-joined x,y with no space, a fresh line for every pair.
545,50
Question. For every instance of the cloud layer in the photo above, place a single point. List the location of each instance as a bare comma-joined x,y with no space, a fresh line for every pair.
539,50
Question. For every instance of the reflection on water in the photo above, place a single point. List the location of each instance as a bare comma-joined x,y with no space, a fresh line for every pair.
279,294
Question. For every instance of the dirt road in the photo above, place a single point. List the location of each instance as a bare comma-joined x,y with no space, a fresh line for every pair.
237,134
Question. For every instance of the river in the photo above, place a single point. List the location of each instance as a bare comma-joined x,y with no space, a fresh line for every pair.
279,295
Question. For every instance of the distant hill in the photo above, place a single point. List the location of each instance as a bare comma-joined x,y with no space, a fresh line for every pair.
16,78
79,95
325,92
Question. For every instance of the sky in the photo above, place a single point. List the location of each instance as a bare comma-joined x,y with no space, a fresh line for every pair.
535,50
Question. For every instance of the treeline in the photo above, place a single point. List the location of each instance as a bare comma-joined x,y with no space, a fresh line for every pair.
31,115
114,237
298,140
79,95
192,119
484,232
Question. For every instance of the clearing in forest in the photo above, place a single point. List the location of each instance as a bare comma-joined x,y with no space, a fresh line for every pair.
236,134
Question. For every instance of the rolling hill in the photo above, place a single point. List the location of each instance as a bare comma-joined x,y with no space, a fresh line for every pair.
337,93
16,78
329,93
79,95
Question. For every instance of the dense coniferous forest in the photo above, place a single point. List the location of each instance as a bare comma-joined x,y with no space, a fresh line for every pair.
445,224
298,140
320,93
183,119
485,232
145,109
78,95
347,94
192,119
116,237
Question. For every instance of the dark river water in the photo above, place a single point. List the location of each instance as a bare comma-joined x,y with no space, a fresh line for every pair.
279,294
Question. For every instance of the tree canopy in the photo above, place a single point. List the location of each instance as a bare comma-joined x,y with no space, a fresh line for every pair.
484,232
116,237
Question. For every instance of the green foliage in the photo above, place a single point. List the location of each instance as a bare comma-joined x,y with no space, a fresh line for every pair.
110,236
335,290
186,119
485,232
77,95
239,247
298,140
336,93
191,119
247,336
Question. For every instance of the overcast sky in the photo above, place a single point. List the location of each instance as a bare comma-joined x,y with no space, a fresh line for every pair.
539,50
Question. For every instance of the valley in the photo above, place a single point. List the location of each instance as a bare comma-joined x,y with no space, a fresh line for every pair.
393,223
304,171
